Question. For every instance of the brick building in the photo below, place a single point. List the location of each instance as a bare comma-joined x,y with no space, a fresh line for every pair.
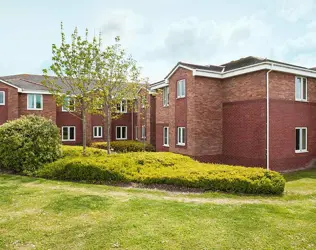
212,113
225,113
24,94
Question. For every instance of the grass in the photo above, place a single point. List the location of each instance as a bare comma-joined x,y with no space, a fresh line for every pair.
43,214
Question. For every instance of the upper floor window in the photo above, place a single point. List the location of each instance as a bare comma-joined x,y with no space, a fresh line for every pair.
300,88
301,140
165,96
97,132
121,133
34,102
68,105
181,89
122,107
2,98
166,136
68,133
181,136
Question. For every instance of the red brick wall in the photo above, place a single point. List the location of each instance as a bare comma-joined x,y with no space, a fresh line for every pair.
244,133
4,108
11,103
49,107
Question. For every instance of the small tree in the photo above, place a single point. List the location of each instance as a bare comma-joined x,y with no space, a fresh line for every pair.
74,66
117,80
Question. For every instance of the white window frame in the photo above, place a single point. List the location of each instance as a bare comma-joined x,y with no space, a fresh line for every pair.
97,132
181,88
165,96
301,150
165,136
64,109
121,127
180,134
301,97
62,133
136,132
34,94
121,109
2,103
143,132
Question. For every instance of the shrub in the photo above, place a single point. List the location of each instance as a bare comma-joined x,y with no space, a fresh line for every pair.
125,146
75,151
165,168
27,143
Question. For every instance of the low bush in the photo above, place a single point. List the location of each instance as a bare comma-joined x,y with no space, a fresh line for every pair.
27,143
164,168
125,146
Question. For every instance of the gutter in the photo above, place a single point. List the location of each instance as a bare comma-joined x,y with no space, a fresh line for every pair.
268,118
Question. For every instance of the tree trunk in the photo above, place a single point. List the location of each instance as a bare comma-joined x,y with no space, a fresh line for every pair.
84,132
108,129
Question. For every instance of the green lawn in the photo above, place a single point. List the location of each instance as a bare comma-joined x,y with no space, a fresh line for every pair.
42,214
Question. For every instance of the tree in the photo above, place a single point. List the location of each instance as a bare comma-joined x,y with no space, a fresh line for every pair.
117,83
74,65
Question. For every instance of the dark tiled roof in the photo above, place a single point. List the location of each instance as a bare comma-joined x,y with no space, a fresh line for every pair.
242,62
206,67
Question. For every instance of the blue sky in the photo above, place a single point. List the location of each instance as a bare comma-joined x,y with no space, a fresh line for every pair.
160,33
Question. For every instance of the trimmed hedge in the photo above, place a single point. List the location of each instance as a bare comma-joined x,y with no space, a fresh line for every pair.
27,143
164,168
125,146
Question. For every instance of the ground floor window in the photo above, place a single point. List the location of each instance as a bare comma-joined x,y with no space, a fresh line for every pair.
136,132
97,132
166,136
68,133
121,133
2,98
143,132
181,136
301,140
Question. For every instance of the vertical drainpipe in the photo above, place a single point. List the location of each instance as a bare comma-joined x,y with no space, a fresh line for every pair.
268,119
132,120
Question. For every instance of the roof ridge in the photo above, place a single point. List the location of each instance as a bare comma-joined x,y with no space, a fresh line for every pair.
29,81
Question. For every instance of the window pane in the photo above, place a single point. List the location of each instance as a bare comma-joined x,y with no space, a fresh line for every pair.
95,131
30,101
178,89
183,135
38,101
304,89
1,97
298,88
65,133
123,132
297,145
118,107
304,139
100,132
71,133
118,132
183,87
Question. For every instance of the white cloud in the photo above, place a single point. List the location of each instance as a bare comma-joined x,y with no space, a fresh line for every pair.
294,10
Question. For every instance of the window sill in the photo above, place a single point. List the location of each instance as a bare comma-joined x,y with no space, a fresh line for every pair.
301,151
165,106
34,109
181,144
121,139
167,146
68,140
2,104
180,97
300,100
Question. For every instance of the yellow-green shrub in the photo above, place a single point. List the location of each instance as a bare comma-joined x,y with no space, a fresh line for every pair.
165,168
125,146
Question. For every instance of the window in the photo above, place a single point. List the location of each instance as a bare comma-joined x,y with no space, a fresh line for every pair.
68,133
69,105
165,96
301,140
34,102
181,89
97,132
143,132
181,136
166,136
301,88
121,133
2,98
122,107
136,132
